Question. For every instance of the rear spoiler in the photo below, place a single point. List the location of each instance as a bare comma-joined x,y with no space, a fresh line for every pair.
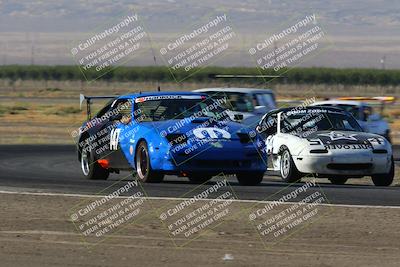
88,101
382,99
385,99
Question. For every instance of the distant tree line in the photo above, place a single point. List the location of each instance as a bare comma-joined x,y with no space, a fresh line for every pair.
294,75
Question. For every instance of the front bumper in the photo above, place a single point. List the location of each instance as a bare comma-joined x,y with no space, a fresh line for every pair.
362,164
227,157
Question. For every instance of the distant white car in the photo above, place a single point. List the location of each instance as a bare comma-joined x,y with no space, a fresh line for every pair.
364,114
326,142
250,103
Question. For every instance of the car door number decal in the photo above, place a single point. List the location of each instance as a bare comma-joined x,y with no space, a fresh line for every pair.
114,138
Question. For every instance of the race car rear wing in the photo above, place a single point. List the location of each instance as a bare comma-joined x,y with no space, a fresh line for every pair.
385,99
382,99
89,101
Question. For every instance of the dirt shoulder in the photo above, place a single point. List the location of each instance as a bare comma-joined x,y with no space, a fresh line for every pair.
37,231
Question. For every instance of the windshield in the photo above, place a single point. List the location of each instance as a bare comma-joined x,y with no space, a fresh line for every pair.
267,100
317,120
240,102
169,109
352,109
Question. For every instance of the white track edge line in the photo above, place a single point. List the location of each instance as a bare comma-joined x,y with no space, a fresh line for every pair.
182,199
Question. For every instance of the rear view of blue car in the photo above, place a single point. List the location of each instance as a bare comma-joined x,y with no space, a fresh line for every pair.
182,133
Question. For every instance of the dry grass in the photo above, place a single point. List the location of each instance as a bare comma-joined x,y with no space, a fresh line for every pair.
37,123
47,111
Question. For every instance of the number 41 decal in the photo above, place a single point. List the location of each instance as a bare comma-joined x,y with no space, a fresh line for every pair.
114,138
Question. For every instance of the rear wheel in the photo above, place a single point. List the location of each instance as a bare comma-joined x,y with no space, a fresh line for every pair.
91,169
384,179
143,167
199,178
288,170
338,180
250,178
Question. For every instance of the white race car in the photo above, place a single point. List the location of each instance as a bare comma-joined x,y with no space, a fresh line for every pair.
326,142
363,112
251,103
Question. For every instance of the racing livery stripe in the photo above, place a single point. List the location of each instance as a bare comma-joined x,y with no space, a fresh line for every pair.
162,97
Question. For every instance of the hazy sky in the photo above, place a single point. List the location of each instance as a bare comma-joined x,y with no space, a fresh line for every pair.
362,32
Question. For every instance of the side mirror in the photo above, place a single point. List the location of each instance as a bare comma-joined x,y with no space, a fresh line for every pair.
260,109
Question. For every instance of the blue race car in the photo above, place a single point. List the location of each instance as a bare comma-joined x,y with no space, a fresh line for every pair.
179,133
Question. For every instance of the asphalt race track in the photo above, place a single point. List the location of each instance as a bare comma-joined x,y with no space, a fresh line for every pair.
55,169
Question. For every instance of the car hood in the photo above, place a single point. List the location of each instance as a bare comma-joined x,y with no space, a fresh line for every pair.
337,141
345,137
204,126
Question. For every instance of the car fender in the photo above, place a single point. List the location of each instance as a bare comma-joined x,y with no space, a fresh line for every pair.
133,134
295,144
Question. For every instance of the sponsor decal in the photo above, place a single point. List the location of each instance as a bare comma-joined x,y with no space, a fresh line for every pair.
162,97
315,142
376,140
114,139
334,136
312,110
346,147
211,133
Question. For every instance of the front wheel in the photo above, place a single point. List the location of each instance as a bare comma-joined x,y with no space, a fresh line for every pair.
288,170
143,167
91,169
250,178
384,179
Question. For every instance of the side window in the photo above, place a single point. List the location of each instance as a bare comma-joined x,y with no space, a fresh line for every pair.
124,107
367,111
242,102
257,100
121,110
104,110
268,125
265,99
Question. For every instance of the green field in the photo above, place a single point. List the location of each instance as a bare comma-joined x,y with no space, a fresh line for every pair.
39,104
163,74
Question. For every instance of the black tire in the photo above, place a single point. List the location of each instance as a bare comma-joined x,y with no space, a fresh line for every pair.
250,178
199,178
143,167
91,169
338,180
288,170
384,179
